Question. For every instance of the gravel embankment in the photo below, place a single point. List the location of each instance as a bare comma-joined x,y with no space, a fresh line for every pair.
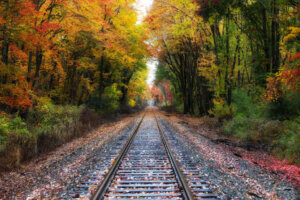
52,174
56,174
231,176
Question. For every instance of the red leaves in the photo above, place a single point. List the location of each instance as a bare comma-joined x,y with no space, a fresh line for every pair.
295,57
108,11
162,92
285,80
17,53
27,8
290,78
46,27
16,97
290,172
2,21
273,92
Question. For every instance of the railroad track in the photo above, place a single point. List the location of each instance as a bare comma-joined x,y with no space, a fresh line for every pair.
146,168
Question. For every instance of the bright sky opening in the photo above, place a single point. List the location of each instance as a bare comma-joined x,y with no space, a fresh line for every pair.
143,6
152,65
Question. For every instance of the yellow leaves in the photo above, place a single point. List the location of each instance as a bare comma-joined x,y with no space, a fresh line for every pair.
128,60
207,67
83,16
131,103
137,87
172,21
294,32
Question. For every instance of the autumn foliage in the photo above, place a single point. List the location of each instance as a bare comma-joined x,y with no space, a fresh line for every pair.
56,55
67,51
237,61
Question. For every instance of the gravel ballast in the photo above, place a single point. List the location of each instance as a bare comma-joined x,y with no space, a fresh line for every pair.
231,176
56,175
52,175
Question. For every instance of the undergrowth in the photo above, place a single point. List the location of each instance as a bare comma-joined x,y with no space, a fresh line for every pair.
44,128
271,124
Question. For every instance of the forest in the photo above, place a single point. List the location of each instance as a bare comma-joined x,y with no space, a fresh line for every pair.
62,61
235,60
65,62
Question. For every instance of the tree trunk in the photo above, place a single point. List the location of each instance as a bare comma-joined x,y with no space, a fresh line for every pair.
185,101
52,76
226,84
29,66
101,78
18,155
266,40
4,52
39,59
213,29
232,72
123,99
275,38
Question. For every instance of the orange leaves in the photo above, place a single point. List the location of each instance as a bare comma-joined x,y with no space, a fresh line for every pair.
108,11
273,92
295,57
27,8
106,2
58,46
294,32
18,54
2,21
290,78
15,97
46,27
285,80
153,22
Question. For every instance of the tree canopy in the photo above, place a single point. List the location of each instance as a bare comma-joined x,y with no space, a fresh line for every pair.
209,48
70,52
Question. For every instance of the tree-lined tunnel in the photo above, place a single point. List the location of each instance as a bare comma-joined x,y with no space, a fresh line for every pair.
217,79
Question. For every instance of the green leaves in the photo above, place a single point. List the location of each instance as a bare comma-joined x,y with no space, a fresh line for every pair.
111,98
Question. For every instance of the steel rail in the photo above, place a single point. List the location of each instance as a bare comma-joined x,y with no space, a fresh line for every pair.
99,194
182,179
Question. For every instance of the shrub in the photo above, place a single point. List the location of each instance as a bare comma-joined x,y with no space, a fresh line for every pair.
287,145
14,136
286,108
13,129
111,98
4,130
253,130
18,128
179,107
243,104
241,127
131,103
222,110
49,117
47,126
283,137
